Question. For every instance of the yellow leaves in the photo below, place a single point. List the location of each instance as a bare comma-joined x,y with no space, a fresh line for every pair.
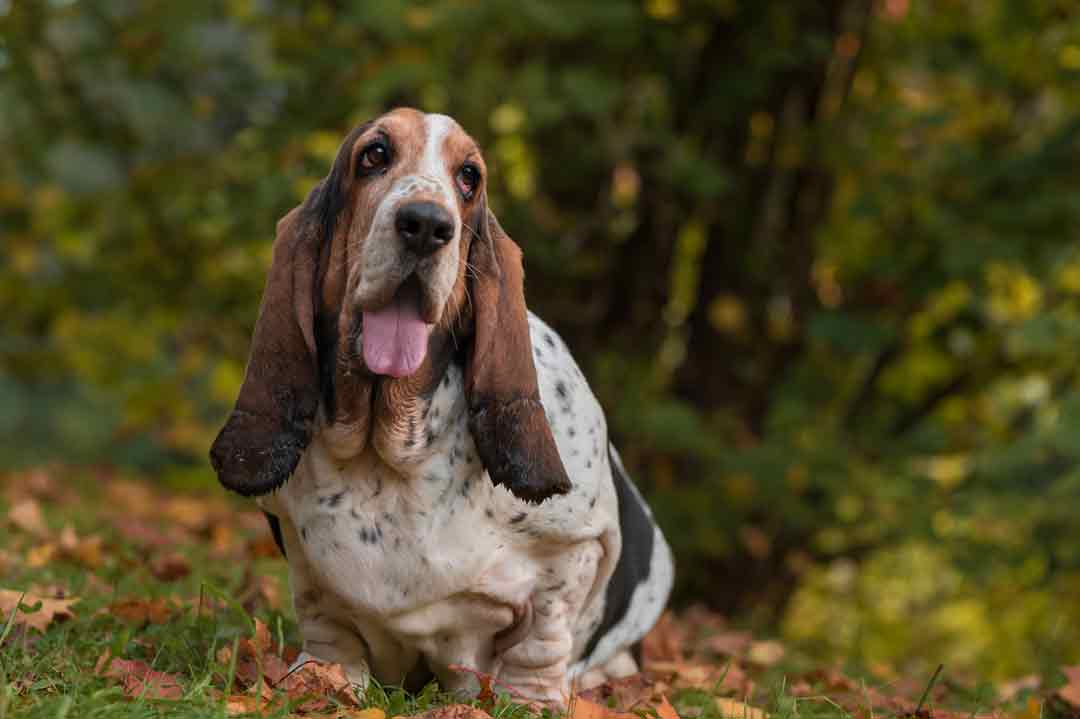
662,9
948,470
517,165
1014,294
33,611
1069,57
727,314
733,709
625,185
27,516
941,307
507,118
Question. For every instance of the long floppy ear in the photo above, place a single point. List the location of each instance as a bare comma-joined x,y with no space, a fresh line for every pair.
261,442
506,417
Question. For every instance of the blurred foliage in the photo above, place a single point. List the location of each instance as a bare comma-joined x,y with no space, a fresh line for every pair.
820,261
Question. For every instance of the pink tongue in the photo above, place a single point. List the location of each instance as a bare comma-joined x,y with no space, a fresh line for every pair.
395,338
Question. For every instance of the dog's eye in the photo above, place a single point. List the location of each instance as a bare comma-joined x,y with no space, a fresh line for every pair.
468,178
374,157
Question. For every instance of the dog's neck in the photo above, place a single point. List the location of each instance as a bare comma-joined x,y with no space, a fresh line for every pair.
398,418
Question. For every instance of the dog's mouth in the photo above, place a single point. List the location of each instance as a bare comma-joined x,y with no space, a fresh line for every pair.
395,338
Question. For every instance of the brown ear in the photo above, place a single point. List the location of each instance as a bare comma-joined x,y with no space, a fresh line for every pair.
261,442
506,417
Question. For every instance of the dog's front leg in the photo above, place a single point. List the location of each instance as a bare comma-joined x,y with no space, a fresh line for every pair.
325,638
539,665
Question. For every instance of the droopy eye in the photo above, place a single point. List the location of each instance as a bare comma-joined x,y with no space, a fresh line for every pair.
374,157
468,178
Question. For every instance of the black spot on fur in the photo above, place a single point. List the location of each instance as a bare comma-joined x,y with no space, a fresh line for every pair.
549,339
275,529
520,517
303,533
560,389
332,500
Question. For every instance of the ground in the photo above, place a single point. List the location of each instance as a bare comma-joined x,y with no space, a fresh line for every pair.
121,597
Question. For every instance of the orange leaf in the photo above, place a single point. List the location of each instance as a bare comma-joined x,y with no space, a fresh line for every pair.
665,710
27,516
169,567
454,711
142,611
137,678
1071,691
732,709
584,709
51,609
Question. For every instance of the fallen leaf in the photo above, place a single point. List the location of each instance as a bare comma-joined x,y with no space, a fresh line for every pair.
581,708
86,551
731,643
624,694
42,554
189,512
26,515
1070,693
1007,691
50,610
169,567
665,710
263,547
765,653
370,713
142,611
138,679
320,680
733,709
147,535
453,711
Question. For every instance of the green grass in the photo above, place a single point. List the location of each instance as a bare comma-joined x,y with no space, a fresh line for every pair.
51,675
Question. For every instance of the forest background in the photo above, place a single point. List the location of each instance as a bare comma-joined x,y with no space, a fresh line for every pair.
820,262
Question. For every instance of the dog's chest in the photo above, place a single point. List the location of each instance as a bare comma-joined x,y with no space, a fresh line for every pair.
405,525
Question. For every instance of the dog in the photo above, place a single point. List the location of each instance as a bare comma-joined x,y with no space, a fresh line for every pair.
431,459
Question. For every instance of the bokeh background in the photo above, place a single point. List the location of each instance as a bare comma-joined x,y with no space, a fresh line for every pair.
820,261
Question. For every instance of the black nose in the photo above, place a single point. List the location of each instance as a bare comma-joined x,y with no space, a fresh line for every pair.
424,226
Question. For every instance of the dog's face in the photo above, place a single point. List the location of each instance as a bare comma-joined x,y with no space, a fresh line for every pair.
413,185
396,241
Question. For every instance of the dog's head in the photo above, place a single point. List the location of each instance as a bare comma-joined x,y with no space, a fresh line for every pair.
391,253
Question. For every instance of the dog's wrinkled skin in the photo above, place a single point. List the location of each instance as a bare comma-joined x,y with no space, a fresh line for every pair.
395,375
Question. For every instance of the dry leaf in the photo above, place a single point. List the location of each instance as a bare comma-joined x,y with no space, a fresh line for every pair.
623,694
731,643
137,678
765,653
86,551
732,709
453,711
321,680
51,609
26,515
1007,691
190,513
1070,693
581,708
370,713
665,710
169,567
41,555
142,611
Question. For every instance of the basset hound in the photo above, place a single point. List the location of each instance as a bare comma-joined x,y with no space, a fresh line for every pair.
433,463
